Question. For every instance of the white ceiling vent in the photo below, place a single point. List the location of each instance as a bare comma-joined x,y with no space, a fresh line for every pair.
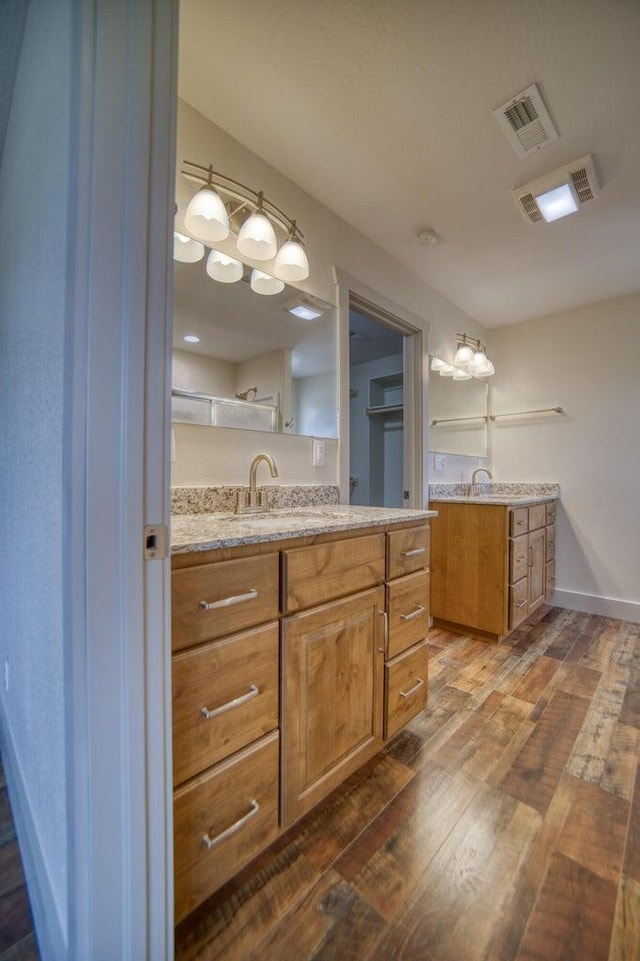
525,121
579,175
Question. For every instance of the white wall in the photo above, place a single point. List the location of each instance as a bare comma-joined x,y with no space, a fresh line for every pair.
205,374
34,188
212,456
330,240
315,405
587,361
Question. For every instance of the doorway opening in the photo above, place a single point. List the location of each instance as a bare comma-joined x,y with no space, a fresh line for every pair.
381,390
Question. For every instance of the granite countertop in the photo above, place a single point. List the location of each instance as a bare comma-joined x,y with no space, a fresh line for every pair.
204,532
501,493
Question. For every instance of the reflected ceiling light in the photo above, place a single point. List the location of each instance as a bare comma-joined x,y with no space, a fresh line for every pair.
191,338
223,204
262,283
559,193
291,262
186,250
462,375
307,306
224,269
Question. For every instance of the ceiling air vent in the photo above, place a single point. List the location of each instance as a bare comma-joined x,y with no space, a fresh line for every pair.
579,175
525,121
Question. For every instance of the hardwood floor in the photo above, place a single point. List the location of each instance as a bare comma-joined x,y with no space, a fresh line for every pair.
502,824
17,940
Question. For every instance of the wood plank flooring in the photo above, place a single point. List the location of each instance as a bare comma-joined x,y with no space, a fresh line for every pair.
502,825
17,939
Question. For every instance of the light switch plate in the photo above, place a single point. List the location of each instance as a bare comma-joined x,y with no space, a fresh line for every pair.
441,462
319,453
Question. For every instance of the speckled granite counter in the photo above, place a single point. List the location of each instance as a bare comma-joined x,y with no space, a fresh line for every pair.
203,532
505,494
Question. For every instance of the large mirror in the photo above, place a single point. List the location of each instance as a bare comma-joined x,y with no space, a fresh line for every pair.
457,415
256,365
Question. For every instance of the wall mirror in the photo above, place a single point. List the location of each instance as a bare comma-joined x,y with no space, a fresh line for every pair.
256,365
457,415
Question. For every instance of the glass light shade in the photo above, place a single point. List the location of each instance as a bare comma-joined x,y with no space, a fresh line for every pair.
224,269
464,355
447,371
486,371
206,217
461,375
291,262
186,250
437,364
263,283
257,238
557,203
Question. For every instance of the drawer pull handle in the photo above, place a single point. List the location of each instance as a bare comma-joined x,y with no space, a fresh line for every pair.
385,633
531,557
551,544
409,617
208,842
414,552
521,603
229,601
520,523
412,690
237,701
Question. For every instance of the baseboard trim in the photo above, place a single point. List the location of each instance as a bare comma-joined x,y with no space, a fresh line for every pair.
596,604
49,932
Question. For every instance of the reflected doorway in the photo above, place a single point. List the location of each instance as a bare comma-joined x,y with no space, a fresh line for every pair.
377,352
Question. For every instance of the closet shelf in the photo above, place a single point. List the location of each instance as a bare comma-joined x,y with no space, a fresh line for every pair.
385,409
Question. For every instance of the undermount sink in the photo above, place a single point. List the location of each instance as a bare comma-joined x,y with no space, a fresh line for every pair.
280,519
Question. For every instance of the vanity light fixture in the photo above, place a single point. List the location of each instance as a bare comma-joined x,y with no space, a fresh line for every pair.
471,356
223,206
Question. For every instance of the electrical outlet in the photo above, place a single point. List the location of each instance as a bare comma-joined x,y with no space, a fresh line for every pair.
319,453
441,462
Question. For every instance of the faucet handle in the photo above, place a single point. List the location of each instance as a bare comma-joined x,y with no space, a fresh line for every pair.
241,500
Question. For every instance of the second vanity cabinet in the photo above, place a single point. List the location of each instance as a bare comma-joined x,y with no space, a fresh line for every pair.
293,660
492,564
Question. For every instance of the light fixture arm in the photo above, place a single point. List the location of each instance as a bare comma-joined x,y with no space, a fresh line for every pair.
235,189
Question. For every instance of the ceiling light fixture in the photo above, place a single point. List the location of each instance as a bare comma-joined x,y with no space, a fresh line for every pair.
223,206
559,193
308,307
191,338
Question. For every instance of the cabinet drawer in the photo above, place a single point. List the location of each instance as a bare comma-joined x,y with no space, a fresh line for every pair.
408,610
313,575
550,543
405,687
215,599
222,819
407,550
518,602
551,512
518,558
549,579
235,680
518,521
537,516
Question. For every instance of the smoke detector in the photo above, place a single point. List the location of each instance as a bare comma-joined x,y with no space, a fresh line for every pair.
525,121
556,194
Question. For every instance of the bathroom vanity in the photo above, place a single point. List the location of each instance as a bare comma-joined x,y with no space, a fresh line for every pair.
299,641
492,558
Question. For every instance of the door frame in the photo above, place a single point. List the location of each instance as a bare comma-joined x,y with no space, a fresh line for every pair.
416,370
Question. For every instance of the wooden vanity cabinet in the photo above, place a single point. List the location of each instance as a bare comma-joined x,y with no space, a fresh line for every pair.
292,661
492,565
225,720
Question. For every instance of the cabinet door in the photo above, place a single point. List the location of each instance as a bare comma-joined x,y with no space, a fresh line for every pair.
332,684
536,568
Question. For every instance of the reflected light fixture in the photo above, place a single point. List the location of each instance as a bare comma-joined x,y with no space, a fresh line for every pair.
224,269
224,206
262,283
185,249
191,338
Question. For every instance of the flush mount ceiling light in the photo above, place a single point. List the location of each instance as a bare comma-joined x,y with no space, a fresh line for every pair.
559,193
191,338
307,307
223,206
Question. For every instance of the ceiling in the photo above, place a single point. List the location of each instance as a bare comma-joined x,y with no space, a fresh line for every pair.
383,111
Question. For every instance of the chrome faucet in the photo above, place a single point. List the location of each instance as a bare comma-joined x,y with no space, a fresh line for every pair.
253,499
479,470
